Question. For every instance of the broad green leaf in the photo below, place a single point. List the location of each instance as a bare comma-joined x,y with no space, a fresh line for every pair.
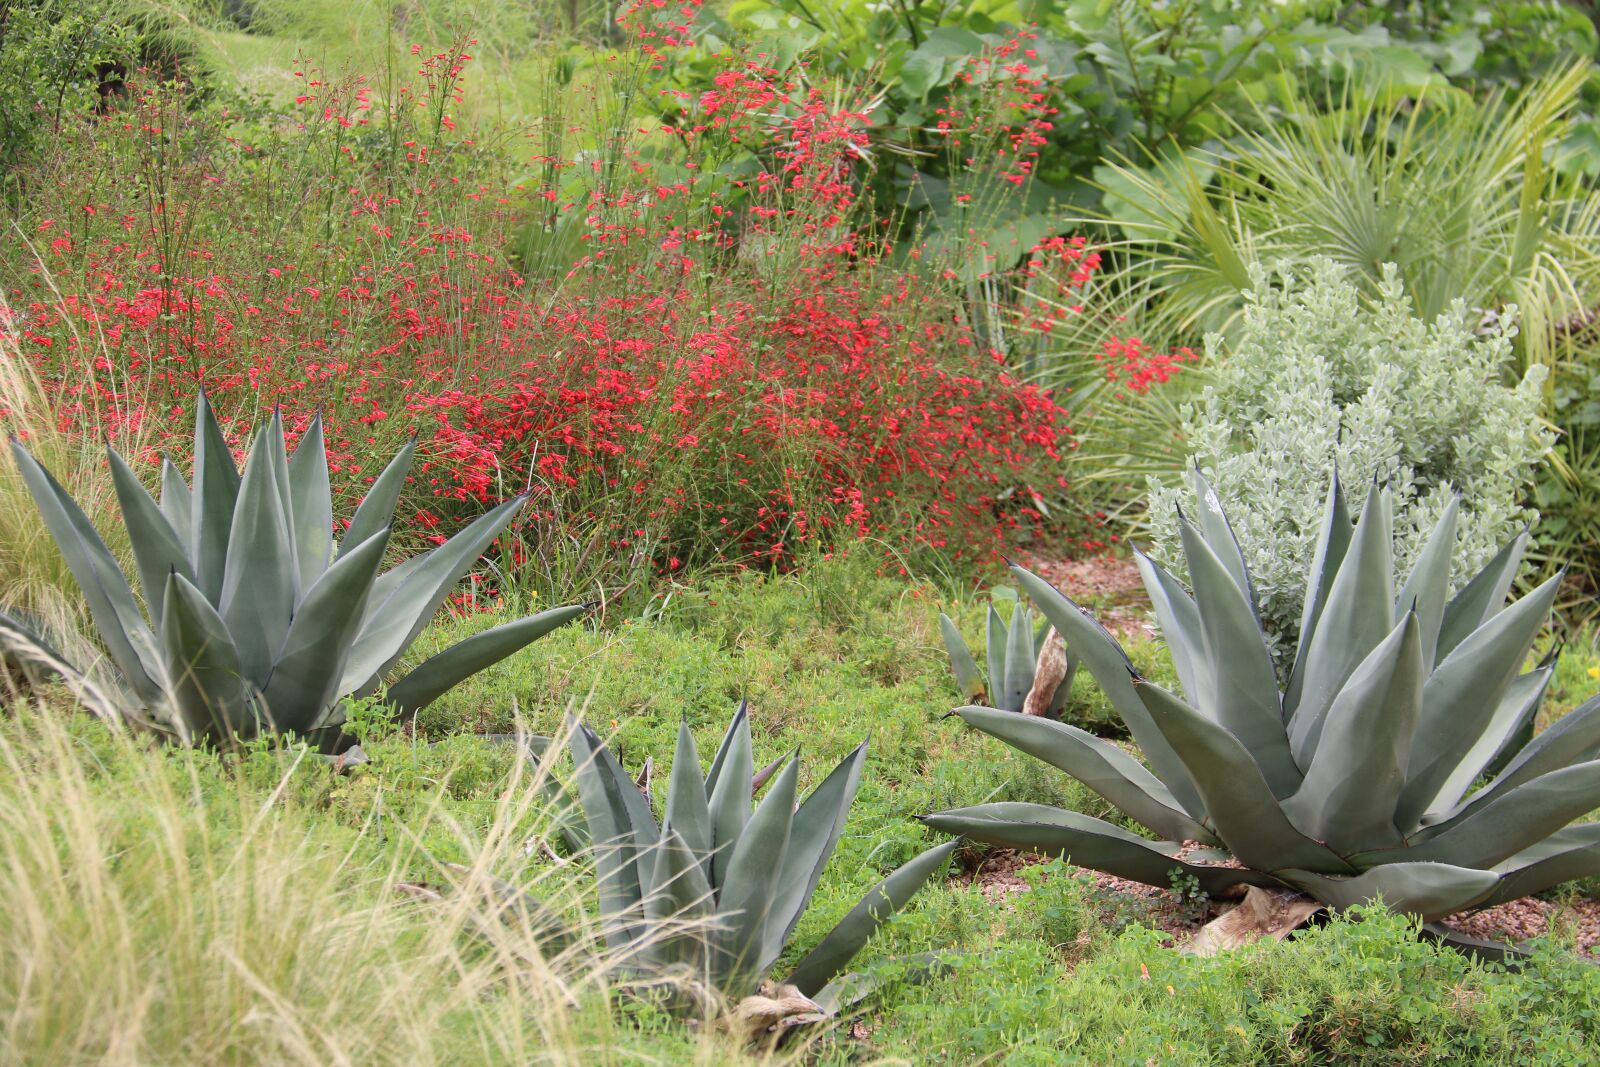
1180,627
157,550
439,673
1111,668
816,830
1357,772
376,510
1359,614
968,678
393,624
1464,692
687,810
1243,698
1213,526
260,577
1507,824
748,889
1428,587
208,693
1097,763
1566,855
303,683
621,828
1019,662
215,495
739,723
311,504
678,904
1483,596
1431,890
126,635
1573,738
177,503
1087,842
835,951
1241,808
1333,541
729,802
998,637
1516,711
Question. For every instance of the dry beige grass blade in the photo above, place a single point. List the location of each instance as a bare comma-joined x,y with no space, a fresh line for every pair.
159,909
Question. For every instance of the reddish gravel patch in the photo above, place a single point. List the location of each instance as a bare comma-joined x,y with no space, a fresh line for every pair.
1113,584
1518,920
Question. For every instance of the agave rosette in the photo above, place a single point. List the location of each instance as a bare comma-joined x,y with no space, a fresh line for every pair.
1397,762
255,619
1012,655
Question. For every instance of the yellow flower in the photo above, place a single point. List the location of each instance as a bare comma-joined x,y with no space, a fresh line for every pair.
1594,672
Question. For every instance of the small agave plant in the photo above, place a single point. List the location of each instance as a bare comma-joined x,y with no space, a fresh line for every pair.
712,892
1029,669
255,619
1370,774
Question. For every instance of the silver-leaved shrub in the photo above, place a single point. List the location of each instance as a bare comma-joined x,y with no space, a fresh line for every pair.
1319,377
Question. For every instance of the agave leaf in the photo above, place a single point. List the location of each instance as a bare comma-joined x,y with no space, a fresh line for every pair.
1483,597
1431,890
729,802
278,459
968,678
303,683
376,510
440,672
216,492
1359,614
1333,541
1516,711
1111,668
720,758
1567,854
260,580
1087,842
1357,772
1463,694
1097,763
998,638
622,829
116,616
1180,626
1242,810
311,504
816,830
393,624
157,550
1503,826
1244,697
1427,590
1575,737
677,903
1019,663
751,883
1214,528
687,810
177,503
206,686
25,651
835,951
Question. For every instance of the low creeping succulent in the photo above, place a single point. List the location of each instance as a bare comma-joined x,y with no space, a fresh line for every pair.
713,892
255,620
1029,669
1370,774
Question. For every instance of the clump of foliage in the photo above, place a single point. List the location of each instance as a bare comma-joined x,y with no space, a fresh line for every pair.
1355,781
711,893
1012,650
1318,380
255,620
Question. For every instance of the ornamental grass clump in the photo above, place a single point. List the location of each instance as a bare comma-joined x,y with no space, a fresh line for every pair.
255,620
1393,765
710,895
1319,379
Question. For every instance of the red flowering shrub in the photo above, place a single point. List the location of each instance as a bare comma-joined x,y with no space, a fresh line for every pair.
709,352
